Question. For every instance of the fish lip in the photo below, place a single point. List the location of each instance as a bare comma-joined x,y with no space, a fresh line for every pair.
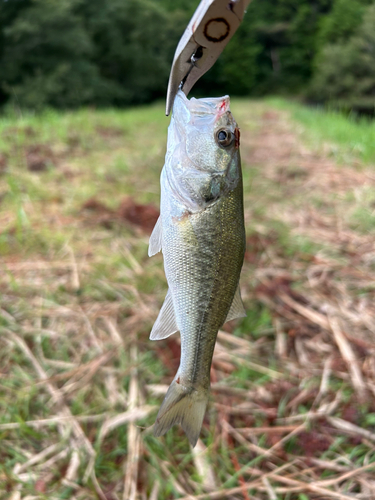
205,106
212,109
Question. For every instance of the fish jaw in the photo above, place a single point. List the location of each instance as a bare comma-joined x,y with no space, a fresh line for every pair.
198,168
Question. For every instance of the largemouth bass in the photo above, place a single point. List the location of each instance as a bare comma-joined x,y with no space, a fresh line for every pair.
202,236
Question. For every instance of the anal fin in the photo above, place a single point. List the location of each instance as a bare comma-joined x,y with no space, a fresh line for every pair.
237,309
165,323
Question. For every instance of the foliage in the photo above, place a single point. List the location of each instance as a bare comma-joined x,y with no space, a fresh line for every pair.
77,52
95,52
345,72
134,45
272,50
349,137
340,23
47,57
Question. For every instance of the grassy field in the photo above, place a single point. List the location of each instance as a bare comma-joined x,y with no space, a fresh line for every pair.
292,411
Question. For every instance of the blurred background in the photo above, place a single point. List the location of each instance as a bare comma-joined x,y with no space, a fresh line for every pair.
99,53
83,136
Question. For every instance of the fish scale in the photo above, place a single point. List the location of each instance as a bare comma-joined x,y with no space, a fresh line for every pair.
202,237
202,278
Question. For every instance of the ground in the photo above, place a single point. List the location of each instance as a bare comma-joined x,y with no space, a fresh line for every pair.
292,412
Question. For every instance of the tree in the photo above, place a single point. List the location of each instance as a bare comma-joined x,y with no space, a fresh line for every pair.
273,49
345,73
340,23
134,44
46,58
69,53
76,52
8,12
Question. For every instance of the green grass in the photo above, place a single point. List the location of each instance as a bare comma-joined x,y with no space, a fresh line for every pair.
344,138
76,280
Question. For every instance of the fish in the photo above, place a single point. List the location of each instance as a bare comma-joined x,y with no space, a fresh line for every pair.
201,233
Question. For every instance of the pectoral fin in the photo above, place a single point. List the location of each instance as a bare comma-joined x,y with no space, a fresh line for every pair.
155,239
237,309
165,323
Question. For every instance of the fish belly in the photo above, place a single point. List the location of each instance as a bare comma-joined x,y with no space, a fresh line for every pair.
203,256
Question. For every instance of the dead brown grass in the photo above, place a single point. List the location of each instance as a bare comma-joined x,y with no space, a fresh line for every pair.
288,418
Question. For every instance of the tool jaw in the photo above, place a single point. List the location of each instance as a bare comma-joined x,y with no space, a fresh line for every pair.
208,32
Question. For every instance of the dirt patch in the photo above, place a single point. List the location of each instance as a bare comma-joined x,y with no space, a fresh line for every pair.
107,132
143,216
39,158
96,206
29,131
313,443
73,140
3,163
12,132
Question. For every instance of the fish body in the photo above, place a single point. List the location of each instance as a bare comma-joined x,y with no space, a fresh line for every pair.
202,236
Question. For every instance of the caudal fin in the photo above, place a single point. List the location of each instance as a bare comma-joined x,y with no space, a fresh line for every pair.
185,406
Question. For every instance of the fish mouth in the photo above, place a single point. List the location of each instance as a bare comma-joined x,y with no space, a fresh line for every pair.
214,106
202,113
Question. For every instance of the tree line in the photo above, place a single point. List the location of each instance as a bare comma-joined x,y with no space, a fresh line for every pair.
69,53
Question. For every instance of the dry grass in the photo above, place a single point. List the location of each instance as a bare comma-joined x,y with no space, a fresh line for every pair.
292,414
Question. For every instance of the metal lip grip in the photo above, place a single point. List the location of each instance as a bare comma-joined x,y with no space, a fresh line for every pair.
208,32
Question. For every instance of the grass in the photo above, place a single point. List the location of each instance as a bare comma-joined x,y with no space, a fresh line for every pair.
291,414
345,138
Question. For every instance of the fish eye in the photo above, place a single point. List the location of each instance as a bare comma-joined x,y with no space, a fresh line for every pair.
224,137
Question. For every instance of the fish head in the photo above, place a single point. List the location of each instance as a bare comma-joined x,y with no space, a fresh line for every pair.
203,149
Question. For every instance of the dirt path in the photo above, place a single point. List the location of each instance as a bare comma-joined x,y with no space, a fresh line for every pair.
326,286
323,197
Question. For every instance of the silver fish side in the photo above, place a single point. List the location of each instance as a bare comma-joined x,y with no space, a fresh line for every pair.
202,236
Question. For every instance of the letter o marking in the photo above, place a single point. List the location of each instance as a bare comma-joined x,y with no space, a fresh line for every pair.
216,30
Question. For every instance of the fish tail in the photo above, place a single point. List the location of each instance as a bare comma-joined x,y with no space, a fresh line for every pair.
182,405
